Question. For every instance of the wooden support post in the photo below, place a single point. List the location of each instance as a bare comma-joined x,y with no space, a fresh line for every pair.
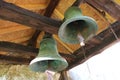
63,75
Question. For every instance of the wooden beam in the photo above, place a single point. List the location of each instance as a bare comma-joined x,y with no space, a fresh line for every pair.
30,51
11,12
18,48
96,45
63,75
49,10
32,41
77,2
6,59
52,5
108,6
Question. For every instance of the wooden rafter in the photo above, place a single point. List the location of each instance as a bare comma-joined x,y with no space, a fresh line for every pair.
52,5
14,13
6,59
19,49
49,10
77,2
11,12
108,6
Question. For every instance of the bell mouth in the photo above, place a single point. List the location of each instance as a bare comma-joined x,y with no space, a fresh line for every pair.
56,65
42,64
73,37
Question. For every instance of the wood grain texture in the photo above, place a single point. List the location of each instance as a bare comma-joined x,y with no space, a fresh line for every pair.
16,14
4,59
77,3
108,6
49,10
28,51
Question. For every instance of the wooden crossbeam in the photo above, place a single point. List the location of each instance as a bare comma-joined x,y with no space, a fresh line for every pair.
108,6
52,5
5,59
77,2
11,12
19,49
96,45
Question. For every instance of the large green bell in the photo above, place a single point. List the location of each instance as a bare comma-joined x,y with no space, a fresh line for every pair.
48,58
76,24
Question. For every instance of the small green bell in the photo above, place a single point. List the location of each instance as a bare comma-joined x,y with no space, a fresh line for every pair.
76,27
48,58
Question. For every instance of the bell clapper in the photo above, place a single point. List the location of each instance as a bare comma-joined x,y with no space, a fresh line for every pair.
81,40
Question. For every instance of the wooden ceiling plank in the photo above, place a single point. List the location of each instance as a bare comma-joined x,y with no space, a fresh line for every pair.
13,29
25,50
97,44
107,5
11,12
